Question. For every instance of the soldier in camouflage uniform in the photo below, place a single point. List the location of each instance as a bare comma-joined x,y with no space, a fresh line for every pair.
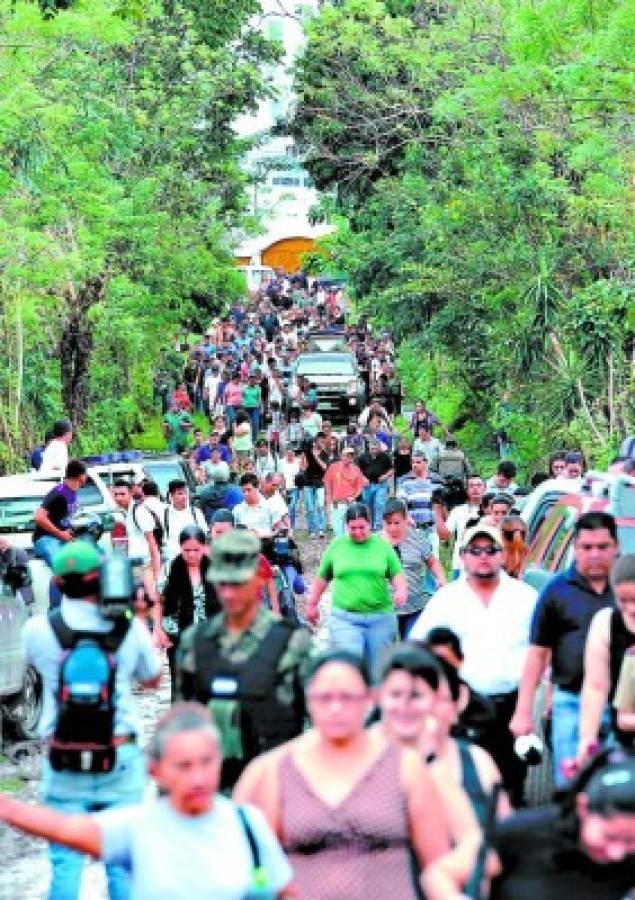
246,664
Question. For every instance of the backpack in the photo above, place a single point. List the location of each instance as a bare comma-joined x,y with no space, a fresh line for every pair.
212,497
83,740
166,521
451,464
158,530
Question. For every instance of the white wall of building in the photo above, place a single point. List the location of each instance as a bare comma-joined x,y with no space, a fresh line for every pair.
280,195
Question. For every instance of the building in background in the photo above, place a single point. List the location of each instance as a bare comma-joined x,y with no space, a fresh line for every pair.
282,192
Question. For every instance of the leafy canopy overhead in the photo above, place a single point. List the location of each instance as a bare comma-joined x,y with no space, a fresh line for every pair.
480,156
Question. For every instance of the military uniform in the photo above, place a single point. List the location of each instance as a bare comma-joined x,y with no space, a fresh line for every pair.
251,680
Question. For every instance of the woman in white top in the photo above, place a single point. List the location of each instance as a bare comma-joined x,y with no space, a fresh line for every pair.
191,842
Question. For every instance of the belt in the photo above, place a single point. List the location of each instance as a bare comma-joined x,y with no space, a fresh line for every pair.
501,698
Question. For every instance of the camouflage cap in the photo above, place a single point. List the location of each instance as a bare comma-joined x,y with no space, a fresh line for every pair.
235,557
77,558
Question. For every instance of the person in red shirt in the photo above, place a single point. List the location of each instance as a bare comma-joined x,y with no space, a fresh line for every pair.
266,577
343,483
181,396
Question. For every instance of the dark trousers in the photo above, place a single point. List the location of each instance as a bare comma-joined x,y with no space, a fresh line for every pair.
172,664
405,621
498,740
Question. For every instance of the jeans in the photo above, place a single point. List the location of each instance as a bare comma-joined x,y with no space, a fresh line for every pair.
230,413
45,548
374,496
254,415
338,518
314,505
72,792
565,725
292,497
367,634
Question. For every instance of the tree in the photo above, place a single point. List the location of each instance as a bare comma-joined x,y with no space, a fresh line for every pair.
481,157
120,187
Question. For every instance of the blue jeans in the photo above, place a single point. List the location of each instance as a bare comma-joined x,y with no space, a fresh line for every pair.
338,518
72,792
314,505
374,496
565,730
230,414
254,415
46,548
367,634
292,502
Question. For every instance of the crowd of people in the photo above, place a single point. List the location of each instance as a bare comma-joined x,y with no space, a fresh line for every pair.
393,760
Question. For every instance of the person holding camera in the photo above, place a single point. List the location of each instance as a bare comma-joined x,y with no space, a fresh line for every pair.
88,660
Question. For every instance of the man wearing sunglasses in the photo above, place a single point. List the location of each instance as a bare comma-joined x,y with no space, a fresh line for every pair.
491,615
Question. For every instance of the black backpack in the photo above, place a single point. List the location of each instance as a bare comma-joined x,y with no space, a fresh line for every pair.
83,739
158,530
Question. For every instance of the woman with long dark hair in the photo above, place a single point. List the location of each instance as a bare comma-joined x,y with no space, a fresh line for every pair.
187,597
347,802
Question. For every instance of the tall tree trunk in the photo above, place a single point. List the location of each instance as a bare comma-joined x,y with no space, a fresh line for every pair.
75,349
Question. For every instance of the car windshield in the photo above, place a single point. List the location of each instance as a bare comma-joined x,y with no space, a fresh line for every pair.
163,473
90,495
326,367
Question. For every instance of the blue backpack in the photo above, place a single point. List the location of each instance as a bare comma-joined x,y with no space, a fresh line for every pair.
83,740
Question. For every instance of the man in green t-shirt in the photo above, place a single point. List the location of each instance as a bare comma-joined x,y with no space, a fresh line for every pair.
176,427
252,398
359,566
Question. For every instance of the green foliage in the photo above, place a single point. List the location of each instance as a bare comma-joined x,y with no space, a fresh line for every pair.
481,158
120,187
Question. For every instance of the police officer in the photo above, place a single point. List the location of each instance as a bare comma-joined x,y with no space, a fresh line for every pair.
244,662
48,641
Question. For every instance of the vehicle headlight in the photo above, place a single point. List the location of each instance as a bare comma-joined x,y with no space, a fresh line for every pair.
352,388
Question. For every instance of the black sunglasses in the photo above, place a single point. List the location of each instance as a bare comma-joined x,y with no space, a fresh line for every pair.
482,551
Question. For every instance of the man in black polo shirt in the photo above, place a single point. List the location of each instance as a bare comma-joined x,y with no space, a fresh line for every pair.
559,632
376,465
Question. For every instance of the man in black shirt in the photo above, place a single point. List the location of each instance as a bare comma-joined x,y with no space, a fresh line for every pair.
53,519
559,631
376,465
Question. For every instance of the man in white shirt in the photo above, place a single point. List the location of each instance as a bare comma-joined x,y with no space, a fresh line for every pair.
47,640
271,488
456,522
254,512
265,463
140,526
491,615
55,456
178,514
210,386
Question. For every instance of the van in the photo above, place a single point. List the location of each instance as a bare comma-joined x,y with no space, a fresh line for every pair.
551,518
